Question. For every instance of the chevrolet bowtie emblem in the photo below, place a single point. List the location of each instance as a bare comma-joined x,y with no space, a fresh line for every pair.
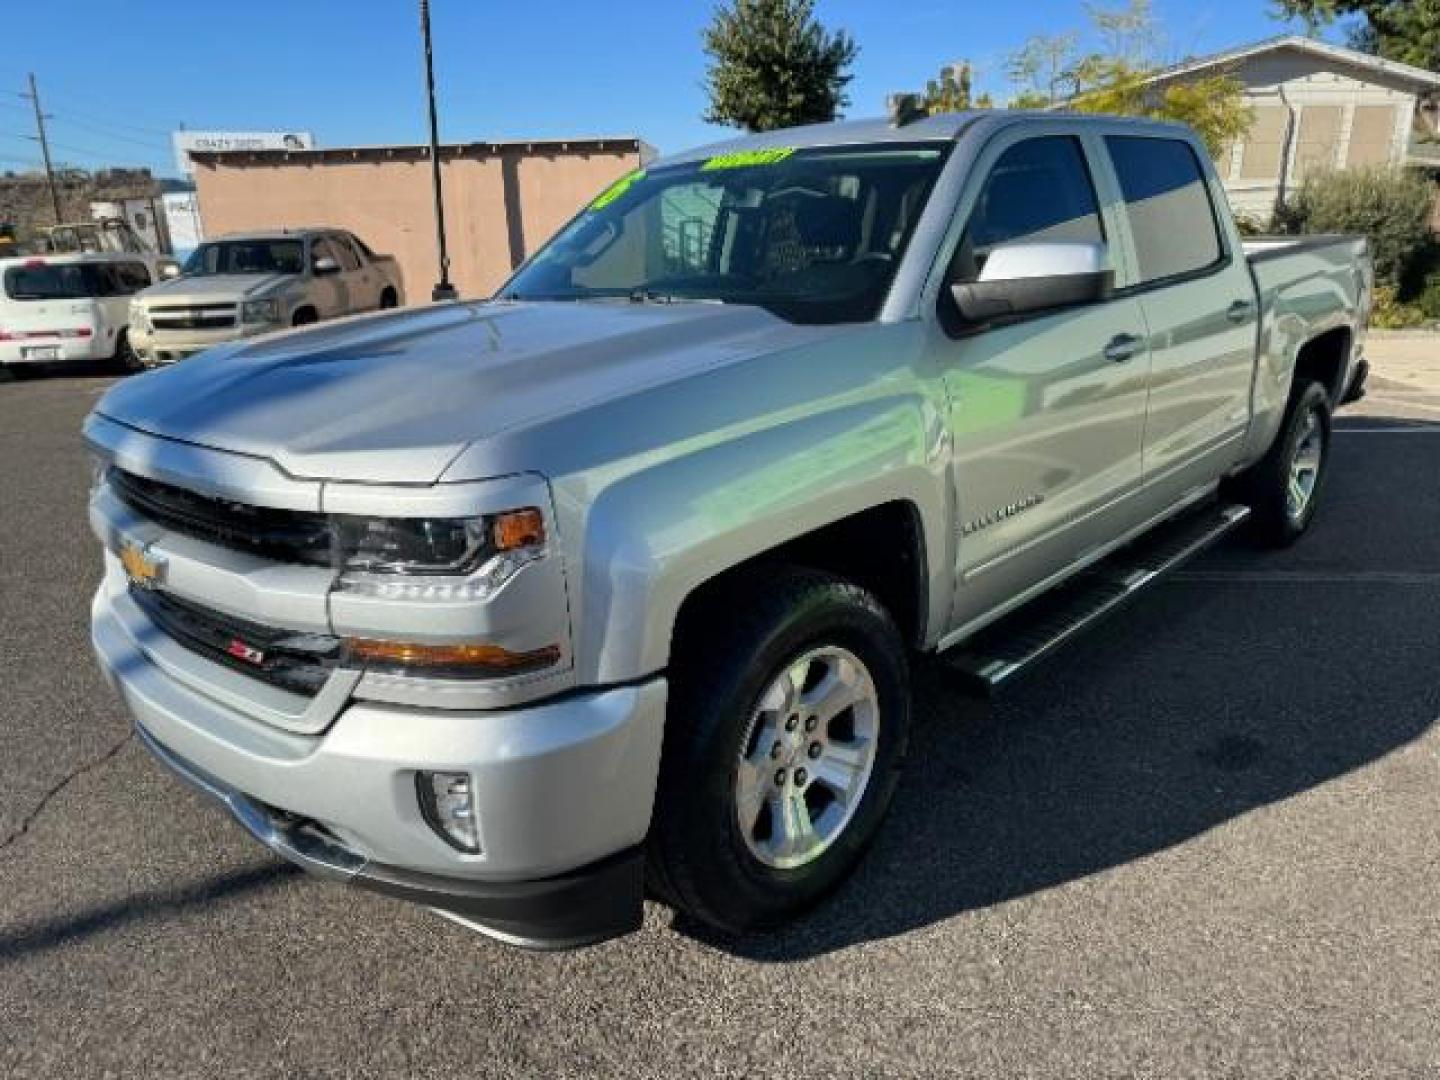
144,569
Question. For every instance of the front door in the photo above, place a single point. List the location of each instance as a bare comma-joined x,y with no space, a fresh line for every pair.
1046,414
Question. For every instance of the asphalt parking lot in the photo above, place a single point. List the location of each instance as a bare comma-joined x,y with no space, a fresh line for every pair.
1204,839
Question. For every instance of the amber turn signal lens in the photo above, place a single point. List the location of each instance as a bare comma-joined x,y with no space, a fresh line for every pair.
474,661
518,528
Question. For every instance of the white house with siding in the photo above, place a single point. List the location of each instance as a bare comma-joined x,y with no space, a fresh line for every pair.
1317,106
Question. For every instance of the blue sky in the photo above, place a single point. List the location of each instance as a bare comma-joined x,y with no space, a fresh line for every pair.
118,75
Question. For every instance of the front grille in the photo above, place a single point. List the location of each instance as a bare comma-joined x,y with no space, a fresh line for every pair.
298,662
296,536
196,317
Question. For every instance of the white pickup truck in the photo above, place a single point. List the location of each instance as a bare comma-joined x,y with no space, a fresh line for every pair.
516,608
242,285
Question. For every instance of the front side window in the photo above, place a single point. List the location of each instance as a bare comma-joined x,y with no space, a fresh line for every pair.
811,235
1038,191
246,257
1171,216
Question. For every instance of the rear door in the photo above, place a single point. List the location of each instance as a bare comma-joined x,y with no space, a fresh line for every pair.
1046,413
365,293
1198,301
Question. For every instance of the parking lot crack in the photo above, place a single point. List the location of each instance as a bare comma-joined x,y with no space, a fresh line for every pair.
60,785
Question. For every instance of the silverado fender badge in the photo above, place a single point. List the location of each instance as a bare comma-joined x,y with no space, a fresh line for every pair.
1019,506
142,566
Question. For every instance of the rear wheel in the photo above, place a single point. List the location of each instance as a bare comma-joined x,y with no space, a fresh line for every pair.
304,317
1283,489
125,359
788,726
389,299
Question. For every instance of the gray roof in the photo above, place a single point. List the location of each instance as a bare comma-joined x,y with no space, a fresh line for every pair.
940,128
1323,49
945,127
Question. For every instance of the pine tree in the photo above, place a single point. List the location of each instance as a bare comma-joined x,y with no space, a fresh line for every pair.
773,65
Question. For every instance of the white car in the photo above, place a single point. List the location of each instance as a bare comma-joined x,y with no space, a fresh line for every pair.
74,308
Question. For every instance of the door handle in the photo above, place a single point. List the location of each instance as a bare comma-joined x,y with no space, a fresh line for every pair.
1239,311
1122,347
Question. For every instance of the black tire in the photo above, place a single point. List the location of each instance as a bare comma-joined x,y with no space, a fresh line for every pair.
304,317
1265,486
389,299
125,359
727,654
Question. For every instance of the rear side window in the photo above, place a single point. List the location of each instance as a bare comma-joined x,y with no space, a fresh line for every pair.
44,281
1038,191
1170,212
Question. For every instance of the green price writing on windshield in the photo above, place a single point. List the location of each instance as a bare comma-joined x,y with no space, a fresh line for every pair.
618,188
744,159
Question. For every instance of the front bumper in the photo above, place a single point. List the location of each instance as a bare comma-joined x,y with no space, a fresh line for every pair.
37,352
563,790
581,907
169,346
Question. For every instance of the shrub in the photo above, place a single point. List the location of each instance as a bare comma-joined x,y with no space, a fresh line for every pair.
1391,314
1390,206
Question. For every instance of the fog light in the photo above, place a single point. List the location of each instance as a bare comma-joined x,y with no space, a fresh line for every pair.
448,807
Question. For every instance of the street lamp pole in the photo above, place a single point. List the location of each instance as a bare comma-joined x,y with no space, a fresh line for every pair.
443,290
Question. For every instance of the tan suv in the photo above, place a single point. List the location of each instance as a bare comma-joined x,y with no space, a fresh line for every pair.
237,286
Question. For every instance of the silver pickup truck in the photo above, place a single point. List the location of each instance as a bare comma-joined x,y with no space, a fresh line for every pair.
520,608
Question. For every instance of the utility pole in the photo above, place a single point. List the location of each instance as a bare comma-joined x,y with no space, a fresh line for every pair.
34,97
443,289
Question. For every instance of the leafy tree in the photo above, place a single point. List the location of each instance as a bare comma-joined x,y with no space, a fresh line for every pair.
773,65
1403,30
950,92
1051,71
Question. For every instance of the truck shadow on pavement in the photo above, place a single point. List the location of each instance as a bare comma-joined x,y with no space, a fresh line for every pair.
1260,677
54,933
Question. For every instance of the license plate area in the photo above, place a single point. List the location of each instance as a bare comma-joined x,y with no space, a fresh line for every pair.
40,352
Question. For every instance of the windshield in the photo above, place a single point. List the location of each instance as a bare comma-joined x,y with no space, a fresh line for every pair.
246,257
811,235
49,282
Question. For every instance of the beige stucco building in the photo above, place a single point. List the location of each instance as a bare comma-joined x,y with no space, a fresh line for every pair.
502,199
1317,106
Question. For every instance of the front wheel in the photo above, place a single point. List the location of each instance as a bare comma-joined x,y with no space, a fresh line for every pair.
125,360
787,730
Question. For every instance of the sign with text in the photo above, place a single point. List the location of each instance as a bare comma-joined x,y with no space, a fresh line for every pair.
188,142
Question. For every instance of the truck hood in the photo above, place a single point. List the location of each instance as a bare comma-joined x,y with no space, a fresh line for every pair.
395,398
217,288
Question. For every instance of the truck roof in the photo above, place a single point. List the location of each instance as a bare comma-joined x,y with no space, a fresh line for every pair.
299,233
945,127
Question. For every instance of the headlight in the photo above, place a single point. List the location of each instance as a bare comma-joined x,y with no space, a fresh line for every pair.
452,546
260,311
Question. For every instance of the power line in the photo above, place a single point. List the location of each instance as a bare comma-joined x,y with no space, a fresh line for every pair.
66,118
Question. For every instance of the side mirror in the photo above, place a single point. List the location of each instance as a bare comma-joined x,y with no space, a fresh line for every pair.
169,270
326,265
1023,279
